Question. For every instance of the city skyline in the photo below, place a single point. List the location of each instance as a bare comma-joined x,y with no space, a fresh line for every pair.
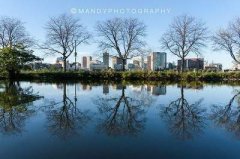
120,79
157,23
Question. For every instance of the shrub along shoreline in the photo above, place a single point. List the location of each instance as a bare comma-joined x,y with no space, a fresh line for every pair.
131,75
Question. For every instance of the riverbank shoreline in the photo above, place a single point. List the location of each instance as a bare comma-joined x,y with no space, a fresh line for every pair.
170,76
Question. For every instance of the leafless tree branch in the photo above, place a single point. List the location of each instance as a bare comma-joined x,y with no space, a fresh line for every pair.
185,35
124,36
229,39
13,33
62,33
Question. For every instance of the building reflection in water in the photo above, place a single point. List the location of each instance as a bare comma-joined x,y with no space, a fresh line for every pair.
157,90
86,87
105,88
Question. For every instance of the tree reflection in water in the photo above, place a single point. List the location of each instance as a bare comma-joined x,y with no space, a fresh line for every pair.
65,119
228,116
184,120
124,115
15,103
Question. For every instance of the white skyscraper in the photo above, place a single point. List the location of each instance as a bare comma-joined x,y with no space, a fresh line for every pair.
89,59
86,60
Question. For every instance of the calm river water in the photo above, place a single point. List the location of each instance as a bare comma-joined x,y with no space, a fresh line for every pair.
104,121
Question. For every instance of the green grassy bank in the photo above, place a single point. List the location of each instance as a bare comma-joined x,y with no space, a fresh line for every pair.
131,75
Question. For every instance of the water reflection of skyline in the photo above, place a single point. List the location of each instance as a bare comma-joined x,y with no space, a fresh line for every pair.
134,99
127,115
153,89
157,90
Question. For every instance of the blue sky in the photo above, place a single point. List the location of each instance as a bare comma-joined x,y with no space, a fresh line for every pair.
216,14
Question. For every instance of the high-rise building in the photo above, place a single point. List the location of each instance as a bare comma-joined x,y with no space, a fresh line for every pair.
97,65
157,61
86,60
171,65
139,62
149,63
213,67
117,63
132,66
89,59
192,63
116,60
106,59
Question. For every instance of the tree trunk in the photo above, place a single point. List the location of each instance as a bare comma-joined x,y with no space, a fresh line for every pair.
123,68
10,85
64,64
123,91
183,65
182,91
11,74
123,64
64,93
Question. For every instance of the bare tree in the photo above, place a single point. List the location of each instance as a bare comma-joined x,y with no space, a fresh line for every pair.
63,34
13,33
228,116
124,36
184,119
185,35
124,115
65,118
229,39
